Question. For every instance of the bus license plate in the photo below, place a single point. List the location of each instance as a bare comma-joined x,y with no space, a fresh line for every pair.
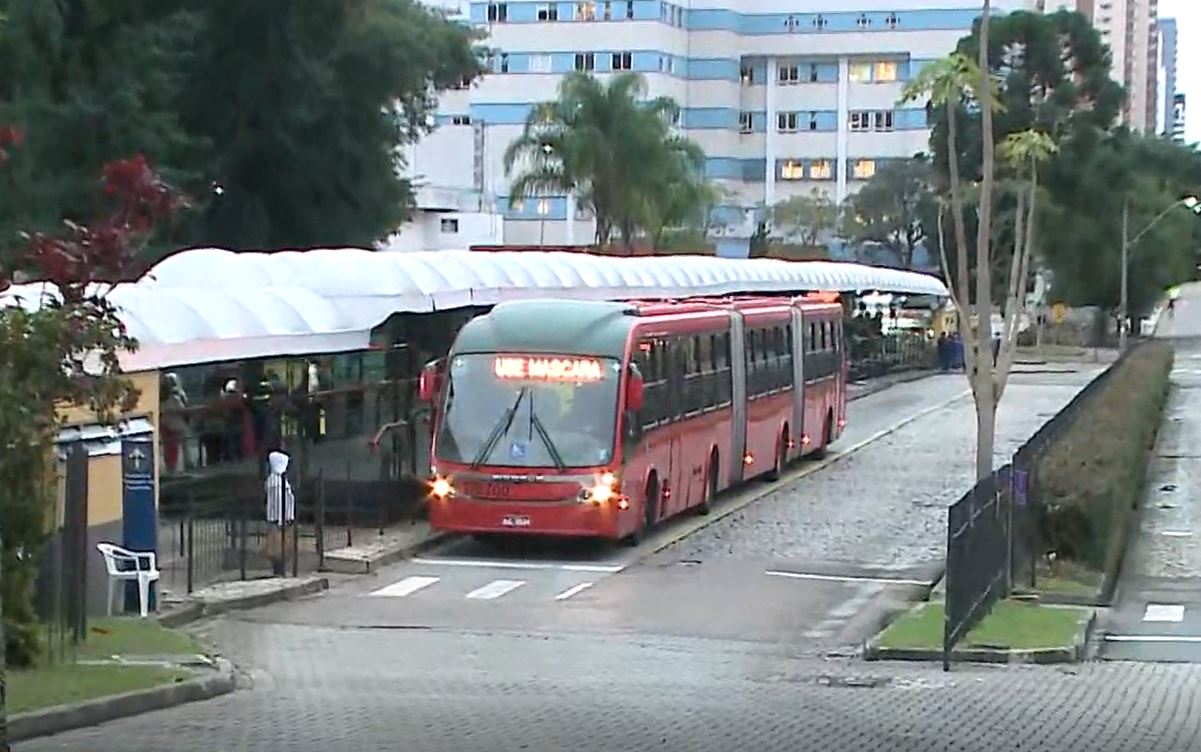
514,520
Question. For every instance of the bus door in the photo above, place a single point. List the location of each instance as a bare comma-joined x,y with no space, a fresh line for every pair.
677,475
738,396
798,376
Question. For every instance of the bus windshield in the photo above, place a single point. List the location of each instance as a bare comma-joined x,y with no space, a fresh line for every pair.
529,410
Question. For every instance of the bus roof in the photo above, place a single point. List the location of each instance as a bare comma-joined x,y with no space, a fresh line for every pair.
550,326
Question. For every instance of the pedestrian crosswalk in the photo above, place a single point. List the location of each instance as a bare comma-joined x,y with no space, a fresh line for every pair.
494,580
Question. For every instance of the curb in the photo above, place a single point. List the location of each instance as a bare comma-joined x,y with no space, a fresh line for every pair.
198,609
1074,653
67,717
343,565
903,379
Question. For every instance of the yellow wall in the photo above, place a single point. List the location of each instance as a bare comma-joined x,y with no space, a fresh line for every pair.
104,473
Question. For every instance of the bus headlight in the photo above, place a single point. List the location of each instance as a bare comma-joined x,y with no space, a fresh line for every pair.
441,488
605,489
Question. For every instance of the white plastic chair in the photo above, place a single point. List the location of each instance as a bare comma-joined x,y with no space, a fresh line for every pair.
124,565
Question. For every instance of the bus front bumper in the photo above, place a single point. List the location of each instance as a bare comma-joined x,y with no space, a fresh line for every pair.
554,518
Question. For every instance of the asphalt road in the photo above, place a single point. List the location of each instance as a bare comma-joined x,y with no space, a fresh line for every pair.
732,636
1158,613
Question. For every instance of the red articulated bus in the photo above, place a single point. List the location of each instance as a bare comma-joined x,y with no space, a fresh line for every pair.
601,419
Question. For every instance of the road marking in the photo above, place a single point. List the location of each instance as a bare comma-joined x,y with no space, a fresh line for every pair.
1153,638
495,589
1163,612
843,578
1177,533
529,565
407,586
573,591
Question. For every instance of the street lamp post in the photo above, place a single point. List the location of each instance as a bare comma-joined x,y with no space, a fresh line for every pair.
1189,202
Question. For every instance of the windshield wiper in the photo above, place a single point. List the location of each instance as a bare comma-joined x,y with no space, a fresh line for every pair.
500,429
536,423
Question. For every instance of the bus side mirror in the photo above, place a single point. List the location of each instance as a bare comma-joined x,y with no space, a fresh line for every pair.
427,384
635,393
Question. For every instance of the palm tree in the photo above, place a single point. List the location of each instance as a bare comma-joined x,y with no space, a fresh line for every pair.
610,146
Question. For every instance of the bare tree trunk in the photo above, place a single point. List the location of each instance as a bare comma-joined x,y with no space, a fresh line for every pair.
982,375
960,289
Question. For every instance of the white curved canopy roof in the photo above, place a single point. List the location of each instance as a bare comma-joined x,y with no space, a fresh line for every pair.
208,305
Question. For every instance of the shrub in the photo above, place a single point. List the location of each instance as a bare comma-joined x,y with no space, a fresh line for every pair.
1092,476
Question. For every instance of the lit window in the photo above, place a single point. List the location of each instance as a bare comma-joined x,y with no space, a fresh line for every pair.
540,64
792,169
885,70
747,75
623,61
864,169
746,123
585,61
860,72
882,120
789,74
498,12
821,169
543,207
518,206
585,11
786,122
548,12
860,120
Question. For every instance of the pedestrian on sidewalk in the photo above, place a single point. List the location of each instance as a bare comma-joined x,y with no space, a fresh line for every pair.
944,352
281,510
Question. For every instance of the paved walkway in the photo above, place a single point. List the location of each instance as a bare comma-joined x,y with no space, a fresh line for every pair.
1158,614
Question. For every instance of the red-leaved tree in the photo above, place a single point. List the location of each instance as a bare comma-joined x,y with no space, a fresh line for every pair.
61,338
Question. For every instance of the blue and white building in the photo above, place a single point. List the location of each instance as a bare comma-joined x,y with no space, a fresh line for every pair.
782,96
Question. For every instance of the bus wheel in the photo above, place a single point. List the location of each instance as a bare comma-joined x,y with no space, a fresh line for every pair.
649,508
827,430
781,458
710,485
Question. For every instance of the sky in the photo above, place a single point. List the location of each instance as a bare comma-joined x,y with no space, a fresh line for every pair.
1188,66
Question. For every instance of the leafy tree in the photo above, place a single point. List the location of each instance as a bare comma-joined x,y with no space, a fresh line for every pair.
305,105
85,80
806,217
60,344
615,150
895,206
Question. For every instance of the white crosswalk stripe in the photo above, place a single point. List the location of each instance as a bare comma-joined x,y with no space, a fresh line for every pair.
407,586
575,590
495,589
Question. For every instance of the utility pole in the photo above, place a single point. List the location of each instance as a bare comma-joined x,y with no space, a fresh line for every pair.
1125,274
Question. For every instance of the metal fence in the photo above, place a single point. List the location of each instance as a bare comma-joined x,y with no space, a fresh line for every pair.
61,599
994,533
877,356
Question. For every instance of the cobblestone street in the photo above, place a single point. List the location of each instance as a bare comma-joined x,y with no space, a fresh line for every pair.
320,690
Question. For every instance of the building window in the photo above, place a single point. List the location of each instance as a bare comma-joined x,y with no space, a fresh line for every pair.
623,61
747,74
792,169
885,70
860,72
498,12
820,21
812,121
585,11
585,61
789,74
504,62
540,64
863,21
882,120
460,120
543,207
892,21
813,73
821,169
679,16
549,12
786,122
864,169
791,23
629,9
450,226
861,121
517,206
608,10
746,123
